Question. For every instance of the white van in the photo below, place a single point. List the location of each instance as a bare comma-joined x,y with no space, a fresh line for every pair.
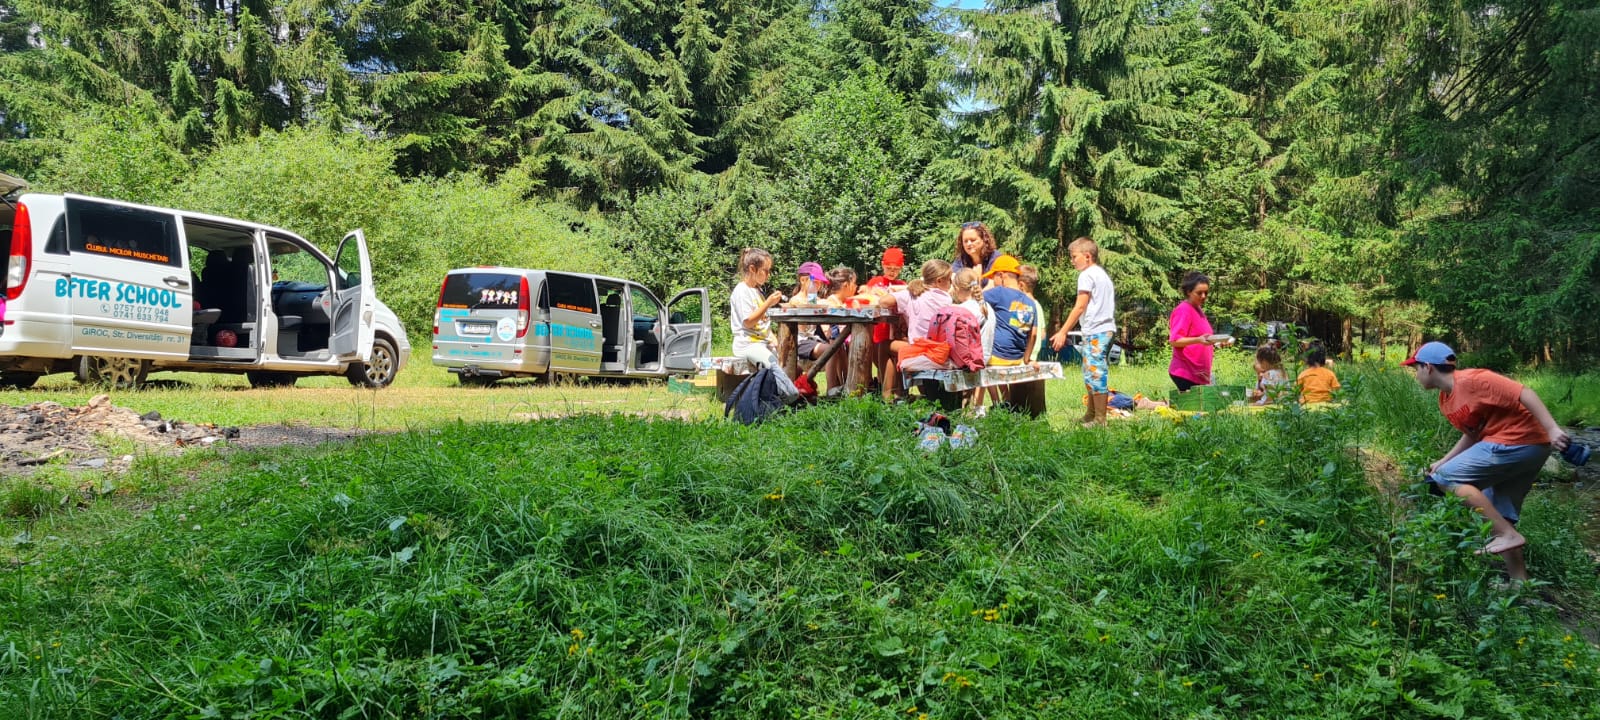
499,322
111,290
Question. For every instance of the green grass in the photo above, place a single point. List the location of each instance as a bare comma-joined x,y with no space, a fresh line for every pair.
818,566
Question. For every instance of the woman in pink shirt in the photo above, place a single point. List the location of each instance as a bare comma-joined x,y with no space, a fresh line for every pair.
1190,335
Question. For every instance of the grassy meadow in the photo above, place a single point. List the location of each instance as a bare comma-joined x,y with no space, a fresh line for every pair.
1244,564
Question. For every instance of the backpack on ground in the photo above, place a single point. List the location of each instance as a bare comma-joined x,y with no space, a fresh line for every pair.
755,398
960,329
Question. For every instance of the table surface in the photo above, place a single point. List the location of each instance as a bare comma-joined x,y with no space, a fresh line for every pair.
829,314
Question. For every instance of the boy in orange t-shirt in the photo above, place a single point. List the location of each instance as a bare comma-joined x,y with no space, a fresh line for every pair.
1317,382
1506,435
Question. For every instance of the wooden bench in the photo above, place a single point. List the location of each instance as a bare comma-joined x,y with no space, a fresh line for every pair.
1025,384
730,371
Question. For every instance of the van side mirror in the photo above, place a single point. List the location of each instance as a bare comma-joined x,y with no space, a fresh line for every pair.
676,319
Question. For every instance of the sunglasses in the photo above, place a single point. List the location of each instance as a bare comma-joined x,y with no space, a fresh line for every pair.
971,225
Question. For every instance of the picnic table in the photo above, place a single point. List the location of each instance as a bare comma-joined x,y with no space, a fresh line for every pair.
860,321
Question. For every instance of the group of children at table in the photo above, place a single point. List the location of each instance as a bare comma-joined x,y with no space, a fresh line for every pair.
995,289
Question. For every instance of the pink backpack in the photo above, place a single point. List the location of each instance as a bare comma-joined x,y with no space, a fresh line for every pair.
960,329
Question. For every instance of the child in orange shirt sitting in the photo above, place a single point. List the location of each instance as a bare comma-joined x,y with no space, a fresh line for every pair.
1317,382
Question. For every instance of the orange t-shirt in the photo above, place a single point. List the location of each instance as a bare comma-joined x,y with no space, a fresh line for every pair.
1317,384
1488,405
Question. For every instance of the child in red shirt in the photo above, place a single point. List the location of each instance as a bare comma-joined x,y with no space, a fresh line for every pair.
1506,435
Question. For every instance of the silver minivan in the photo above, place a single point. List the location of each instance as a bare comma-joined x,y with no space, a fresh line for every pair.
111,290
498,322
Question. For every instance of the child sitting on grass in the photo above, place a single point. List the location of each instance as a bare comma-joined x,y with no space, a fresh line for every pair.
1270,377
1317,382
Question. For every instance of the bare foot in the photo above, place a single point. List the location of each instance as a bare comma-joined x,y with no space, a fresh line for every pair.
1503,543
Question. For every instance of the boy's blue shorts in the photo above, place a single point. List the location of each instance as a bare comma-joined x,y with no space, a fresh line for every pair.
1096,351
1505,473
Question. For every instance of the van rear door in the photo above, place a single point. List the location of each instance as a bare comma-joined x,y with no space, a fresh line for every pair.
354,303
478,318
575,328
129,288
688,330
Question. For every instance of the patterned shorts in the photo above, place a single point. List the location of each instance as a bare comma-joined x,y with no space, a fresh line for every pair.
1096,352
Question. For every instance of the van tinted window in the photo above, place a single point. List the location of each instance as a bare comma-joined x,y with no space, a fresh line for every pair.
569,292
124,232
481,291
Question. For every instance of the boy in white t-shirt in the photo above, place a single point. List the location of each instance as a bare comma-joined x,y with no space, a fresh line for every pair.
1095,310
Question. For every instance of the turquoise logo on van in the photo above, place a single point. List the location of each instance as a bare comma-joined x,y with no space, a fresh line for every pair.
121,293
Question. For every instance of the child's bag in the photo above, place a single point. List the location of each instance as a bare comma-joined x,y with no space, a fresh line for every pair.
755,398
960,329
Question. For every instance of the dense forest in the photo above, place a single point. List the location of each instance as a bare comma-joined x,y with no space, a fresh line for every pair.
1383,168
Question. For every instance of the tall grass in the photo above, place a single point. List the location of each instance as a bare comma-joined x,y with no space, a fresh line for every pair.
818,566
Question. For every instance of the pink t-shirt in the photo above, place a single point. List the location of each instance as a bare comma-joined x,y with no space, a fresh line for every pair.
919,310
1191,362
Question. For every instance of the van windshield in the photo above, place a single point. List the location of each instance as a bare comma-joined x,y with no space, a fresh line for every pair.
481,291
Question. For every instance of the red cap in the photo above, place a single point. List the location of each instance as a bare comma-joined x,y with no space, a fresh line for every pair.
894,256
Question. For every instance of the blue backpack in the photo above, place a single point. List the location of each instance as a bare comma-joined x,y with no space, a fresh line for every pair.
755,398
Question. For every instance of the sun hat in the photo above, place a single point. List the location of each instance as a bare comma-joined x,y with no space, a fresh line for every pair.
813,271
894,256
1004,263
1434,353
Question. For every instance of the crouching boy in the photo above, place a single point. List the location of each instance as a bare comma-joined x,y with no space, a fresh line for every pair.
1506,435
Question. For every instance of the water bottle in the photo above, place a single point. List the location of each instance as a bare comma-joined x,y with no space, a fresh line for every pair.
932,437
1576,453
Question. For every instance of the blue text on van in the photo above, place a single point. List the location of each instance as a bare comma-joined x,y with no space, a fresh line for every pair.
125,292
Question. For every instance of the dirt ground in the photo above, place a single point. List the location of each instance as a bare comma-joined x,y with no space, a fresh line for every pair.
96,436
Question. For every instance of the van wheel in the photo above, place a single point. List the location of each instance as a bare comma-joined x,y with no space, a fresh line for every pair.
119,373
380,370
271,379
18,380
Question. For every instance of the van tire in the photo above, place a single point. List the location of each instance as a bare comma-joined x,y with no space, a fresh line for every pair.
379,371
263,379
119,373
18,380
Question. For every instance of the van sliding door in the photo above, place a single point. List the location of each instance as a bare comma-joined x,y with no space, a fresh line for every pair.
129,289
575,328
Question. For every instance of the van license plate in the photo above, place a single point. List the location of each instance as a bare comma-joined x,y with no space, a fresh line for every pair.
473,328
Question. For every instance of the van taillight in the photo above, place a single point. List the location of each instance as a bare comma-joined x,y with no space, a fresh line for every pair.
523,311
439,305
21,253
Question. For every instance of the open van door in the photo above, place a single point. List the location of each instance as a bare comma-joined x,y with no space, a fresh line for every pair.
354,302
688,335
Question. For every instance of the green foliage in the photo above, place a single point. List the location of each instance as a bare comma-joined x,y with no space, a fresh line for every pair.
1074,123
1228,565
321,185
858,167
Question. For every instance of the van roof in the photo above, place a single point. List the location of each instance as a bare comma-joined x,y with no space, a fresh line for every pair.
526,271
10,184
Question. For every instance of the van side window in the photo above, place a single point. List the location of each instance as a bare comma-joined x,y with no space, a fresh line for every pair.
123,232
571,293
57,242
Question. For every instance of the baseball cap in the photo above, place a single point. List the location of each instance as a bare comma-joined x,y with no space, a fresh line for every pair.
894,256
1004,263
813,271
1434,353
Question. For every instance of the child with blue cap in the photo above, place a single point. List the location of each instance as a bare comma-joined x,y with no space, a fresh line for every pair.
1506,435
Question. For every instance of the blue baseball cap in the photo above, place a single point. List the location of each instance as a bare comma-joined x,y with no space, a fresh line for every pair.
1434,353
